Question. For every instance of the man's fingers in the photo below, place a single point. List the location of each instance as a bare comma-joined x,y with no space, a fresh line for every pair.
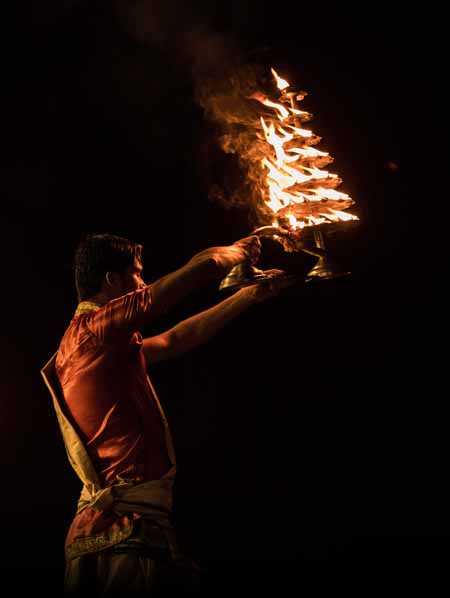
278,280
274,273
251,242
251,245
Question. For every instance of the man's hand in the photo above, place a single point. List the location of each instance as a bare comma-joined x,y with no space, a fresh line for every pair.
276,281
230,255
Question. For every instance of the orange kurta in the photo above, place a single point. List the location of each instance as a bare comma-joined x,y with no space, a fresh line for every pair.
106,395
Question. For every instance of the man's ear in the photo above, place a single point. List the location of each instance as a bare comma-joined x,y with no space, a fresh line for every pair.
111,279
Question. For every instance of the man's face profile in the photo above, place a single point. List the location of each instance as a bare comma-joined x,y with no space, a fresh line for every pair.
128,281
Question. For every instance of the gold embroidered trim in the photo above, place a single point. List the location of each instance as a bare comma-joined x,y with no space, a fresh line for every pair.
86,306
96,543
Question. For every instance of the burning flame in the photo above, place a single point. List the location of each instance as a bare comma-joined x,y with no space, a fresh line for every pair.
281,83
295,187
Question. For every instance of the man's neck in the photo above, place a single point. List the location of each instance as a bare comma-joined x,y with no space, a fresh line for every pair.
100,298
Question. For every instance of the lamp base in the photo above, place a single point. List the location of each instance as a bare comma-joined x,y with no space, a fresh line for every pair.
325,269
242,275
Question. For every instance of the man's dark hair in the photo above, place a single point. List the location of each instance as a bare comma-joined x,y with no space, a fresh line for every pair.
98,254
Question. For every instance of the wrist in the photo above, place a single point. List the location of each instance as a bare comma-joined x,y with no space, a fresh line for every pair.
249,294
204,268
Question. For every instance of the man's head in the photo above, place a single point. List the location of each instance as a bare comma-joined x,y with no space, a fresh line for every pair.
108,265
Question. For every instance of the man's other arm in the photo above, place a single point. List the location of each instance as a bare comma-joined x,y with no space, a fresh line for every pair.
198,329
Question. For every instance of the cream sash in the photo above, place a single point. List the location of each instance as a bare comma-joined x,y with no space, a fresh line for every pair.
153,498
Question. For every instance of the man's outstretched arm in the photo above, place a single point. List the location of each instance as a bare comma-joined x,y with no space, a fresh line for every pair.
210,264
120,317
198,329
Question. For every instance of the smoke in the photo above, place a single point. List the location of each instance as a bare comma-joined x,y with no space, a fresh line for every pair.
224,70
226,102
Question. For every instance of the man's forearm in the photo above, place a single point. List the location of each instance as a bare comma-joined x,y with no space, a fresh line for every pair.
173,287
210,264
197,329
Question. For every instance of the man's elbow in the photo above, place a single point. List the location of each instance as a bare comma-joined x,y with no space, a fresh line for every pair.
180,342
156,349
166,346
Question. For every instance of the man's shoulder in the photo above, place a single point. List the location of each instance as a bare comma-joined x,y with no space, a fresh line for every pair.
76,335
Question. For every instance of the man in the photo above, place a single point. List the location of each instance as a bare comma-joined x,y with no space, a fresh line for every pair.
115,432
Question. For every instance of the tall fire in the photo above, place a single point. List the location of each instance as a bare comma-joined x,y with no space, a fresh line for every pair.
294,185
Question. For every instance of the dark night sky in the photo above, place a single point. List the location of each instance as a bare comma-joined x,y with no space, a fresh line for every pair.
314,423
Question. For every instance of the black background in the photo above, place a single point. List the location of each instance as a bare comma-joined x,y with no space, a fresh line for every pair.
311,433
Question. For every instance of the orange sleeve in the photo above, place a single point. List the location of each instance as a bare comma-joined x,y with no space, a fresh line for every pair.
121,317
